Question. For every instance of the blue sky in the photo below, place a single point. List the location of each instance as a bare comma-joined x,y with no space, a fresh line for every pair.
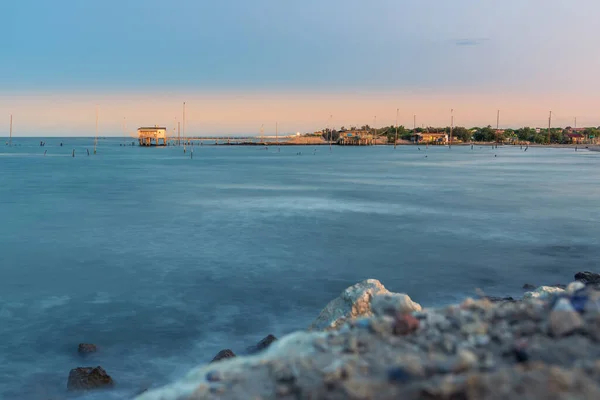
75,44
522,56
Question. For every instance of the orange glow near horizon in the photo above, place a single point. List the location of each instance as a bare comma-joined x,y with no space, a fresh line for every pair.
73,114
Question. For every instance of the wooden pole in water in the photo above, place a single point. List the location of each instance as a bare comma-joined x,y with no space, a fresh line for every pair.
10,137
277,135
396,138
184,127
96,138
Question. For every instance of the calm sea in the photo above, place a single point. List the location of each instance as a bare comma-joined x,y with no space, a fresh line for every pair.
163,260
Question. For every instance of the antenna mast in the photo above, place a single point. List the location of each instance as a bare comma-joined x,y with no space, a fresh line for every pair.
184,127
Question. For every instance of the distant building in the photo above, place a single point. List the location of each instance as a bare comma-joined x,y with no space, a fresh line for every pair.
356,138
152,136
575,138
429,137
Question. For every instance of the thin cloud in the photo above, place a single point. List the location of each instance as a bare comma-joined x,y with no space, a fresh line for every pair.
470,42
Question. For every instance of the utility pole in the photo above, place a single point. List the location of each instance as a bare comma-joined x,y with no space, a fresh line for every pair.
10,137
124,127
184,127
451,125
498,120
414,123
575,123
262,131
277,135
396,139
549,125
329,127
374,130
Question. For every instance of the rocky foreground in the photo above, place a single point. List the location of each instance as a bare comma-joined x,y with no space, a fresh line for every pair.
373,344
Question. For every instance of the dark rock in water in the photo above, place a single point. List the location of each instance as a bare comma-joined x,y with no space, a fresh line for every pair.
588,277
495,299
86,348
262,345
89,378
559,285
223,354
529,286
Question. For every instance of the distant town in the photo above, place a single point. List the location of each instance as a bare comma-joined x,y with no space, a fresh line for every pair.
366,135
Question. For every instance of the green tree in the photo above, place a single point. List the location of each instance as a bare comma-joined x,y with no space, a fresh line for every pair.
460,132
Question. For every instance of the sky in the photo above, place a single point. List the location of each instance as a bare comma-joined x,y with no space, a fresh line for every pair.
239,64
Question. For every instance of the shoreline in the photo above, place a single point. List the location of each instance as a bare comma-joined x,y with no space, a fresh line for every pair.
371,343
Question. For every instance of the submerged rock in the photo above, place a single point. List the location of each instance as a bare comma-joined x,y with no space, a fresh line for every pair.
88,378
223,354
543,292
355,302
86,348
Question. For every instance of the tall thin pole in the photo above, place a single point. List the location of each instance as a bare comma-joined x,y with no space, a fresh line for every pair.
414,122
124,127
549,125
451,125
262,131
575,123
96,139
329,127
375,129
184,127
396,139
10,138
179,133
277,135
498,120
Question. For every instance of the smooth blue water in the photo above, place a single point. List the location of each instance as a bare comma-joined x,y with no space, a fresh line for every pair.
162,260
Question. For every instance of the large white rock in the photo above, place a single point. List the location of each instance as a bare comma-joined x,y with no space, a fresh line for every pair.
355,302
543,292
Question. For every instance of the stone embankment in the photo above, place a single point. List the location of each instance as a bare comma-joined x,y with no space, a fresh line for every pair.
372,344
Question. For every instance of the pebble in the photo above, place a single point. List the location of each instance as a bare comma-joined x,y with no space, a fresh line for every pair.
564,319
405,324
575,286
521,355
399,374
363,323
578,302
